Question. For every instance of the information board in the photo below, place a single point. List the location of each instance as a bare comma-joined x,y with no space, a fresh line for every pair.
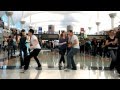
49,36
97,36
40,30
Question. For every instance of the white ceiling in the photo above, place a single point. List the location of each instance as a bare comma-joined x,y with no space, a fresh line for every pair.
18,14
63,18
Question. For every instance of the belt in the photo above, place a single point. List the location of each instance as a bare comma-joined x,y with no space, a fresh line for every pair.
36,48
112,47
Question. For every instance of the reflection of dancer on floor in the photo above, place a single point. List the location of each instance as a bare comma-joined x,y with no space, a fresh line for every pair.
4,59
38,74
3,64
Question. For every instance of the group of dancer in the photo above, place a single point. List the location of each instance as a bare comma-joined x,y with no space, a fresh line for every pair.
29,50
68,43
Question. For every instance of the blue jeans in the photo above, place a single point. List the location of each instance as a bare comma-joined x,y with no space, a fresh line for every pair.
24,50
113,54
70,61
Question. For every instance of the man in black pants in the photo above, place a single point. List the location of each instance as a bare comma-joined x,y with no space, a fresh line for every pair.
35,47
118,51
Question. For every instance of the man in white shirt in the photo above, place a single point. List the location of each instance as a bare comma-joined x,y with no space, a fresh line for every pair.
36,48
73,42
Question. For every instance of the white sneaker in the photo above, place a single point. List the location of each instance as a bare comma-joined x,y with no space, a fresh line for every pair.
67,69
23,71
22,67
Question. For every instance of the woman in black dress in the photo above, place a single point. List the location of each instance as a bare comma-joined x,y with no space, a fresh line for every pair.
62,47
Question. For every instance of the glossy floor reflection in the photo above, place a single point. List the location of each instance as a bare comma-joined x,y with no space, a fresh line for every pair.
88,67
58,74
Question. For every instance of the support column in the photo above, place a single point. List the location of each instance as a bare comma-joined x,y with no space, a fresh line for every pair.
9,14
30,27
51,29
69,27
89,29
22,23
112,16
98,24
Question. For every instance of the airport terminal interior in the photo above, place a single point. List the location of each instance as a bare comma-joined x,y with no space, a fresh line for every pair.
85,47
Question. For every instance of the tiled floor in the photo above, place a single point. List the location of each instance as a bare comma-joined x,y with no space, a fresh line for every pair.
87,68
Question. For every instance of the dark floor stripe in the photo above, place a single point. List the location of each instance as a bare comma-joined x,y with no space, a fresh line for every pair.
60,68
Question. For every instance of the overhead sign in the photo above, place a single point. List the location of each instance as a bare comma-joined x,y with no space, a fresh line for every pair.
51,29
97,36
40,30
82,30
